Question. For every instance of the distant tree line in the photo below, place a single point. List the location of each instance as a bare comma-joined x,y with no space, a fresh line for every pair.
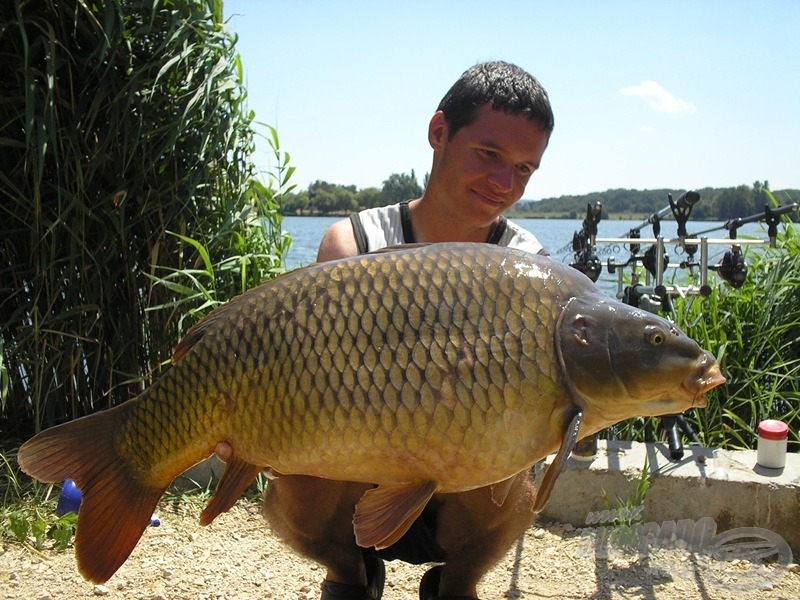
715,204
323,198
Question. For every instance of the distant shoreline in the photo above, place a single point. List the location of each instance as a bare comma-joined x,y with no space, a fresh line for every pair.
523,215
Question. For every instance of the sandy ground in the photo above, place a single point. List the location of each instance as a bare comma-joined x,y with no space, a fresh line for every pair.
238,558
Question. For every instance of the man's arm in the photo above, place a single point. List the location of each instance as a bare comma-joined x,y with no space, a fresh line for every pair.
338,242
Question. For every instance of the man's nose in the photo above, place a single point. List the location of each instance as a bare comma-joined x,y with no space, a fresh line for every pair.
503,178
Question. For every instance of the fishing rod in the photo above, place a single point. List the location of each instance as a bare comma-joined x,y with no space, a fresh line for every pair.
680,209
770,216
733,267
653,295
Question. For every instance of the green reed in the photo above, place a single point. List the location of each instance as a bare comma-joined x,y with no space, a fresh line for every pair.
124,134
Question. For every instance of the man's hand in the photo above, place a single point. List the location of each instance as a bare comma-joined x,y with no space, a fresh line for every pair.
224,451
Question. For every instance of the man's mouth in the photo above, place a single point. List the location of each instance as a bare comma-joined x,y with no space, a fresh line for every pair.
489,198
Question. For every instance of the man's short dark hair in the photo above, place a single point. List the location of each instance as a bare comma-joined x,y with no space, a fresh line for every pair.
505,86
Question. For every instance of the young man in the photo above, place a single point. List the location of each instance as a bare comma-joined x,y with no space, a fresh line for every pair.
488,136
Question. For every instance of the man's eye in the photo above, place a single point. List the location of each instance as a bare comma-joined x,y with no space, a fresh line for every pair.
489,153
524,170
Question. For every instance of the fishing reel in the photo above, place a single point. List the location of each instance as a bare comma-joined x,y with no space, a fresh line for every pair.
583,243
586,262
681,209
732,268
649,260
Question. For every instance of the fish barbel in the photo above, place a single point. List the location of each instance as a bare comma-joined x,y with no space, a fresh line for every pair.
427,369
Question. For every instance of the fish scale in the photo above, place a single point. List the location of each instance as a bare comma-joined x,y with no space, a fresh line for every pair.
428,369
414,368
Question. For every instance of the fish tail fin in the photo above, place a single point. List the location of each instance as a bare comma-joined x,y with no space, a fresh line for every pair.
116,507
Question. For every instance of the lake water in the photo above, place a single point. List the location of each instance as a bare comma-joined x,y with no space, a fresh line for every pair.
555,235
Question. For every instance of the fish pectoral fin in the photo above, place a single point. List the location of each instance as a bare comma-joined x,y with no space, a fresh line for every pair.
500,490
238,474
560,460
386,512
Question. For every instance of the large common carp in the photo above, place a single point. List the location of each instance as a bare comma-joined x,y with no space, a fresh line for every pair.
435,368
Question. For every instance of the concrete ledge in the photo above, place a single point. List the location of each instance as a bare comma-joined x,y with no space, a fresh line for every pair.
726,486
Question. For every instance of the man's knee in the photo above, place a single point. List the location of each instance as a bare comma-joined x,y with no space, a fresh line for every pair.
311,504
475,518
315,517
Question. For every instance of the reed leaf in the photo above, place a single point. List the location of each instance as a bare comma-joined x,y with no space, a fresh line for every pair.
120,121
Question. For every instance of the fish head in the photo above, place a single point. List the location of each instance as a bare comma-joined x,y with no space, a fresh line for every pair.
621,362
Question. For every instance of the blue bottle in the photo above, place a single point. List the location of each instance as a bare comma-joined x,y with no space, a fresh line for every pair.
70,502
70,499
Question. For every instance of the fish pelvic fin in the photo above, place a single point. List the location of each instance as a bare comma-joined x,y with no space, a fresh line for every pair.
115,509
386,512
237,475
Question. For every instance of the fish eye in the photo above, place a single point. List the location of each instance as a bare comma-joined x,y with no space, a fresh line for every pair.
656,337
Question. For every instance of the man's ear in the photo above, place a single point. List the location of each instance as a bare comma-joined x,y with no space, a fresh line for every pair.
437,130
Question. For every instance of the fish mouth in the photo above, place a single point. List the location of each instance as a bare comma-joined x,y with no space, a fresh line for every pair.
705,377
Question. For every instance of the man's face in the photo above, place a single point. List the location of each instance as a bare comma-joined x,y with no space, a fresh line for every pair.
484,169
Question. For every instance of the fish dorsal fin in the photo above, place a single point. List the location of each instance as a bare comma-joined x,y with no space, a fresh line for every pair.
223,311
500,490
196,333
386,512
237,475
187,342
398,247
560,461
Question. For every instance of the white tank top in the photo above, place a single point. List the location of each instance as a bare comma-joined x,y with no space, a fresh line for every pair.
385,226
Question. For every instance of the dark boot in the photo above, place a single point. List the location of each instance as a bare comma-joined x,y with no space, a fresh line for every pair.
429,586
376,577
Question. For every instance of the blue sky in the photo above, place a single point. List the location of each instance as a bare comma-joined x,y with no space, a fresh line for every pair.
676,95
